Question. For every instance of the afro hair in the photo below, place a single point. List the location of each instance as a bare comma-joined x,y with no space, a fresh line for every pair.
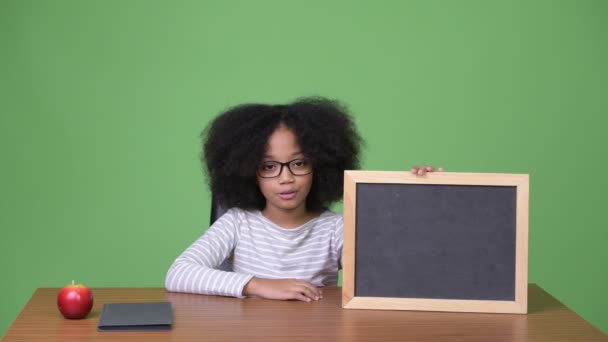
235,141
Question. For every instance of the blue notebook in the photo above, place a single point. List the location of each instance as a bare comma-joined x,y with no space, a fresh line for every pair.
136,316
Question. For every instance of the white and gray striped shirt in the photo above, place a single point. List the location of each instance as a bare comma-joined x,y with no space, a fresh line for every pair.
260,248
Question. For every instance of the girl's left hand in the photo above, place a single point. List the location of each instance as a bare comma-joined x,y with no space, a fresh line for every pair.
422,170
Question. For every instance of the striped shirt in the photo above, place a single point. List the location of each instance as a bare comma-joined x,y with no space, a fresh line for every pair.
260,248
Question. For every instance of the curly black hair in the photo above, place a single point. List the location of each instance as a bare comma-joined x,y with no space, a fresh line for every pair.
235,141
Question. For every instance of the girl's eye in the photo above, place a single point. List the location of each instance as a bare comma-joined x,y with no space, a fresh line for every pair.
299,163
268,167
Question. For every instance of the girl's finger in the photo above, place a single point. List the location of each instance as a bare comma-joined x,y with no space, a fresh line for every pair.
301,297
440,169
310,291
421,171
306,292
414,170
429,168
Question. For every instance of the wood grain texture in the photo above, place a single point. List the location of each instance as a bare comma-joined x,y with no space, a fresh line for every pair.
455,178
521,242
348,245
210,318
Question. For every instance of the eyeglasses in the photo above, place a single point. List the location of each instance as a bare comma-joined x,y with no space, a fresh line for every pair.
297,167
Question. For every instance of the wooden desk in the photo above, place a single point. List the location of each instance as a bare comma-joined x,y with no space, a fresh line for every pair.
208,318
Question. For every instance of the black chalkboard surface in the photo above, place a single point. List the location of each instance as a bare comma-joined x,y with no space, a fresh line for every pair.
449,242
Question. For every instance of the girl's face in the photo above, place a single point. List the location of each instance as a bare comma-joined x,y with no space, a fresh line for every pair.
285,192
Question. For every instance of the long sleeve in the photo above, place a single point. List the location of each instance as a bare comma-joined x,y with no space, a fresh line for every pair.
194,270
339,240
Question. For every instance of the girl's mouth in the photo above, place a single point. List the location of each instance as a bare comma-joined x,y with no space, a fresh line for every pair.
287,195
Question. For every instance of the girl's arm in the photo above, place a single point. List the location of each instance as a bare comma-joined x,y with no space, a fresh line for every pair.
194,271
284,289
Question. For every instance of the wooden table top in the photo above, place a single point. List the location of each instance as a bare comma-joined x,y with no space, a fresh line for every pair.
211,318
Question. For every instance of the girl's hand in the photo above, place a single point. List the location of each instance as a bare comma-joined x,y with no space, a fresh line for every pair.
283,289
422,170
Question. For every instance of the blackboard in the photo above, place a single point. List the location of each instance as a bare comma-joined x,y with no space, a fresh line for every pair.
445,241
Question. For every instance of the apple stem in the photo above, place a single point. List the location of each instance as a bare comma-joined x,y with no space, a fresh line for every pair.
72,283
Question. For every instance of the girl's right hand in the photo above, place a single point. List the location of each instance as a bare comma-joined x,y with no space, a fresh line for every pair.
422,170
283,289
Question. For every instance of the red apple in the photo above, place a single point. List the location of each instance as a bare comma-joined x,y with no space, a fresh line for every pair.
75,301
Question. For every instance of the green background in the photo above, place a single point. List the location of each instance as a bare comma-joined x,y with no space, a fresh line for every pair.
102,104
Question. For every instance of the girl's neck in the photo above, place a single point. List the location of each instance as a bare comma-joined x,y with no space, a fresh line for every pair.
288,218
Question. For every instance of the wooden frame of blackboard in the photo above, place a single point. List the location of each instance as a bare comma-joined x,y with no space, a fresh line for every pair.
520,299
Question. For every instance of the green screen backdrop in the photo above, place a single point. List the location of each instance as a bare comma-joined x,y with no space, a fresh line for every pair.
102,104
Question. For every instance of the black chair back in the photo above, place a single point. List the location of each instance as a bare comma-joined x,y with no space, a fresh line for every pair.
216,212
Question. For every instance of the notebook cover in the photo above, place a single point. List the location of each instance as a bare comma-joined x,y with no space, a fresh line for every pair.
136,316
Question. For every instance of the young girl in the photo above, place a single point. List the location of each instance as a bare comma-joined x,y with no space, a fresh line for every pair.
278,168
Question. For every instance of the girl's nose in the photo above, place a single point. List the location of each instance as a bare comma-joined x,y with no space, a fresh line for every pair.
285,176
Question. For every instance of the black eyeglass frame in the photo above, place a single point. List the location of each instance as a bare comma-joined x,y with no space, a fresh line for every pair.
282,165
